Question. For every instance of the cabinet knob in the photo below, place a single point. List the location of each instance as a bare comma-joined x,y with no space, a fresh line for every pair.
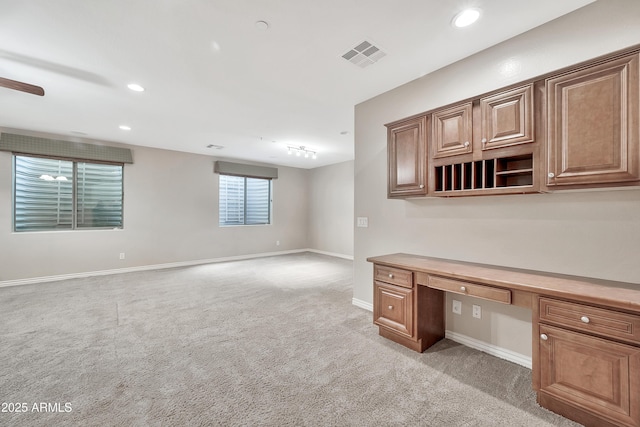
421,185
584,319
390,276
463,288
551,175
544,337
466,143
484,140
390,307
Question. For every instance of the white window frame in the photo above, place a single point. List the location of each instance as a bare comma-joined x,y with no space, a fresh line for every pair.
223,209
74,210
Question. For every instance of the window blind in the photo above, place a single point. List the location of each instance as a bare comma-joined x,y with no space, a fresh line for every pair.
45,189
244,201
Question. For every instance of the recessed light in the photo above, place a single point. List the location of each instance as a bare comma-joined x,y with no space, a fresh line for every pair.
125,127
135,87
466,18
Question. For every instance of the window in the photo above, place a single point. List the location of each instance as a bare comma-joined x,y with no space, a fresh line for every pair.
54,194
244,201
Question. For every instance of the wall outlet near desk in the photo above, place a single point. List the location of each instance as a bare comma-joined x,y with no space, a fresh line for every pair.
362,221
121,255
457,306
477,311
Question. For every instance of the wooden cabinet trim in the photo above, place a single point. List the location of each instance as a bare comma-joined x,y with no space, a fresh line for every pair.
393,308
407,158
395,276
591,373
599,292
507,118
576,102
588,371
470,289
592,320
530,114
452,130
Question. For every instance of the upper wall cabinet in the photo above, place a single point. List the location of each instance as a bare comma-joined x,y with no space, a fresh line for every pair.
407,158
593,124
452,131
485,145
574,128
507,118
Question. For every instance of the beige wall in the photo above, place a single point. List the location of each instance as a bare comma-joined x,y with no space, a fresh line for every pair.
583,233
170,216
331,209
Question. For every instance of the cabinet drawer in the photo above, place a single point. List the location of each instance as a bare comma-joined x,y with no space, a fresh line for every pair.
393,275
610,324
393,308
471,289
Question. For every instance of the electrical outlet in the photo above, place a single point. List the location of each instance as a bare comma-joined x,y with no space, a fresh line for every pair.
457,307
477,311
121,255
362,221
277,242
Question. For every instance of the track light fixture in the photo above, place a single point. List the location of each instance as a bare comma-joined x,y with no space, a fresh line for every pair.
301,150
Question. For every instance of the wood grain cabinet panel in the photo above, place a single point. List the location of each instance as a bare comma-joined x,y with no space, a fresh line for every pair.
407,158
586,332
592,374
471,289
593,320
453,130
393,308
395,276
507,118
593,124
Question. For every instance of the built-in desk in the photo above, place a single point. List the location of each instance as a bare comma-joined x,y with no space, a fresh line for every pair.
586,332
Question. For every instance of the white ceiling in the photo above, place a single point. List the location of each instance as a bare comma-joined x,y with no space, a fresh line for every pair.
213,77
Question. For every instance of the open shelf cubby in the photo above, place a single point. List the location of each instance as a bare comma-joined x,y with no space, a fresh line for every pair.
516,171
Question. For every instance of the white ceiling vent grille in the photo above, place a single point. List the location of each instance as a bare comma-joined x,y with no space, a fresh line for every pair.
364,54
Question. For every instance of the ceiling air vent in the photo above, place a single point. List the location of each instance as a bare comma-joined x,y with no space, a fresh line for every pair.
364,54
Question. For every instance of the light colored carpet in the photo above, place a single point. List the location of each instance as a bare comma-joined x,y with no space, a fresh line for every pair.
265,342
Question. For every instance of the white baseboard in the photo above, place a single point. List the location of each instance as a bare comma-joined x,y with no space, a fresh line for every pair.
491,349
42,279
362,304
333,254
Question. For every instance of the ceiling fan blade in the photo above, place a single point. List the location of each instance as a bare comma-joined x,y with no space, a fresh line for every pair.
24,87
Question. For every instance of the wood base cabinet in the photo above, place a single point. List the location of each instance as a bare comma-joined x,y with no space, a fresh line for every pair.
393,308
588,362
590,374
397,300
586,332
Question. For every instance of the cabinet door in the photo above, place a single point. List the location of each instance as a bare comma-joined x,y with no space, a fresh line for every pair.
594,374
507,118
593,120
407,161
453,131
393,308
